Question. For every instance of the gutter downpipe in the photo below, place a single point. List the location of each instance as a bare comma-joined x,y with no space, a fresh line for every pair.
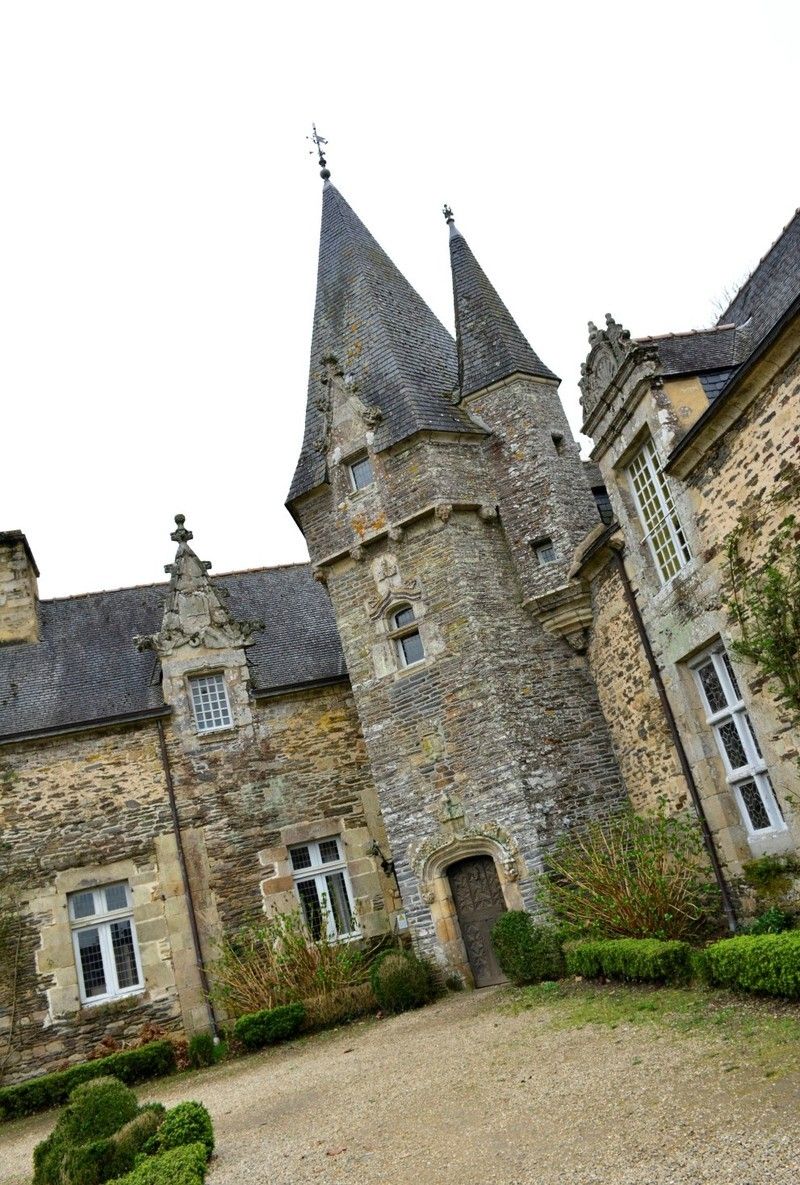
686,770
176,828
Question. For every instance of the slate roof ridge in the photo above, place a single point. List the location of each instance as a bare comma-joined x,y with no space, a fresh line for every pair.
746,284
127,588
491,345
660,337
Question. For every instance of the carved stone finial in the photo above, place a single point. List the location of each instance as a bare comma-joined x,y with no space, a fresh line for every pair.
180,534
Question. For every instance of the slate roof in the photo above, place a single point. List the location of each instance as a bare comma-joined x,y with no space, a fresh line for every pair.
86,667
761,301
491,346
699,350
401,358
772,287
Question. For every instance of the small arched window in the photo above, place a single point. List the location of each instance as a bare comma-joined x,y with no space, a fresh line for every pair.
404,629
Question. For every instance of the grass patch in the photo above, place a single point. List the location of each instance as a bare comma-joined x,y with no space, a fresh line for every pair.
764,1034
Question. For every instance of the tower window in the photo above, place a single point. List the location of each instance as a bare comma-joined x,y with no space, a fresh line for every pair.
405,631
544,551
663,530
104,941
558,442
745,769
212,710
323,888
361,474
603,504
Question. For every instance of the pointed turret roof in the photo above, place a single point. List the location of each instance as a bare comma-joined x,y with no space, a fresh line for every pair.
491,346
393,351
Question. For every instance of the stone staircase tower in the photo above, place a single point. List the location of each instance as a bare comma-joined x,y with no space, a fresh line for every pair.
429,474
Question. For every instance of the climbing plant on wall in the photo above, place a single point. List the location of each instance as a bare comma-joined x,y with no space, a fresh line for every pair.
764,588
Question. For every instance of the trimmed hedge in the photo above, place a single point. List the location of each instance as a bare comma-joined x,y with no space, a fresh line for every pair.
180,1166
201,1050
97,1136
526,952
188,1123
51,1090
257,1029
401,980
768,963
640,960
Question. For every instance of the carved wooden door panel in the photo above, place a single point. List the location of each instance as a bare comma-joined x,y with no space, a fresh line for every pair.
479,902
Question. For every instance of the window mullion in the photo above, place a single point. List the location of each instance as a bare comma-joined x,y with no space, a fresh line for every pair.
109,965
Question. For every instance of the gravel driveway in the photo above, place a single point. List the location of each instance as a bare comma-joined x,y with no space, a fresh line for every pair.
461,1093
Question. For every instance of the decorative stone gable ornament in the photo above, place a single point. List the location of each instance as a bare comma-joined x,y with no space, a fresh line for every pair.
337,392
194,612
609,348
389,582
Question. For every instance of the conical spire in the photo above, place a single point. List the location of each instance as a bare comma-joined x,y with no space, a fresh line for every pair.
390,348
491,346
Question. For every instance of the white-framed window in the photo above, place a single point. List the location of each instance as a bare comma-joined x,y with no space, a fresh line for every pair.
210,702
403,628
104,940
736,740
544,552
323,887
663,531
361,473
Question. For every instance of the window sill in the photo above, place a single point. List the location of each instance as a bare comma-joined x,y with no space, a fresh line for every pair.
110,1001
412,669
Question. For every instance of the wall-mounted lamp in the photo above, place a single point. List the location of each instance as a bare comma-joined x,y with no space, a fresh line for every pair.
386,864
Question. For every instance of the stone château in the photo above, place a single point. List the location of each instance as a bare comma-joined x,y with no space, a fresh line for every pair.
494,641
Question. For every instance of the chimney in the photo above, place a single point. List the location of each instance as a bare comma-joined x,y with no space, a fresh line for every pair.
19,592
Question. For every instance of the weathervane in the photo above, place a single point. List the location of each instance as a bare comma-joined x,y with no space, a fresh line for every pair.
448,214
318,141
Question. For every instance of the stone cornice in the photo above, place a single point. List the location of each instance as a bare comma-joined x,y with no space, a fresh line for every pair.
566,612
394,531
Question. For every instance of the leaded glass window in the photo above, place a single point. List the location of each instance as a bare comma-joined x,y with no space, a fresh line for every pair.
663,531
323,888
212,710
361,473
104,940
736,740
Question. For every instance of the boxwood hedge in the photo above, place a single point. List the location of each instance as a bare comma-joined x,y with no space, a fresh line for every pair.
768,963
640,960
51,1090
256,1029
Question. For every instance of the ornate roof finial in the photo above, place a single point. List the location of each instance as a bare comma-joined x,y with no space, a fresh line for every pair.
448,214
181,535
318,141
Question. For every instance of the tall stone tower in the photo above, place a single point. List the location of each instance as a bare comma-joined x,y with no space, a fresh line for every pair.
442,496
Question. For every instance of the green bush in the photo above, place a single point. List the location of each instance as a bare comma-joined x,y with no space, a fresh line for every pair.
526,952
179,1166
202,1050
401,980
257,1029
51,1090
771,921
641,960
188,1123
96,1136
768,963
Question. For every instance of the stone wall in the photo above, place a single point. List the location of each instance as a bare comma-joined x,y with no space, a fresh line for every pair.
18,590
92,808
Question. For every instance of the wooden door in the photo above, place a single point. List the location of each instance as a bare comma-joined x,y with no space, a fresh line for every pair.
479,902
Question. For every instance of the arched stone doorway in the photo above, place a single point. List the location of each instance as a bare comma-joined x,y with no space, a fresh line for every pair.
479,902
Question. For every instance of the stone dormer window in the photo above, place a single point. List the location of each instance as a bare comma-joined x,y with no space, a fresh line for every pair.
210,704
404,629
361,474
663,531
544,551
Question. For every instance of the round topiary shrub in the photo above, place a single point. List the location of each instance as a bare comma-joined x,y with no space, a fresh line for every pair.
78,1150
401,980
527,952
201,1050
188,1123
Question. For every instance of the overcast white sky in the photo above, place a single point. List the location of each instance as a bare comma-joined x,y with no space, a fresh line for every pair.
159,222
